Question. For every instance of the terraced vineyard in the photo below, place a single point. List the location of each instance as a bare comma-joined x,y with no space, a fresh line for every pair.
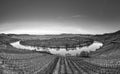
36,63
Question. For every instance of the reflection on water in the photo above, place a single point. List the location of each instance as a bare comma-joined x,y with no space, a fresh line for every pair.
61,51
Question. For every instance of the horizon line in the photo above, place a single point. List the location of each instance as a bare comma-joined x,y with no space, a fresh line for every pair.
58,34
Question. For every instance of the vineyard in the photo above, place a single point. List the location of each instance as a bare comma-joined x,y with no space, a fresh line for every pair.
26,63
36,63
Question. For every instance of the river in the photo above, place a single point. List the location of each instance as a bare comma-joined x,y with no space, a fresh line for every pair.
61,51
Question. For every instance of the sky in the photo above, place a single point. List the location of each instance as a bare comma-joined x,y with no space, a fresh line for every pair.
59,16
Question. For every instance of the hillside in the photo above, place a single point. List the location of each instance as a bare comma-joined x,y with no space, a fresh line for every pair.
111,44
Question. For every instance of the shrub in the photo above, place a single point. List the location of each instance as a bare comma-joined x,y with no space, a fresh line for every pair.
84,54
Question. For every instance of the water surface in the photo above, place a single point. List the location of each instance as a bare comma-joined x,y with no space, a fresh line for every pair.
61,51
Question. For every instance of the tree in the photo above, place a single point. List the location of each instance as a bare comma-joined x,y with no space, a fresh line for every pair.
84,54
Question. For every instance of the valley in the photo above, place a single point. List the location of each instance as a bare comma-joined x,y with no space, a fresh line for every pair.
105,60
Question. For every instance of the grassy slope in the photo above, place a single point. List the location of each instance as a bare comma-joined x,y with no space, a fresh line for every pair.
111,45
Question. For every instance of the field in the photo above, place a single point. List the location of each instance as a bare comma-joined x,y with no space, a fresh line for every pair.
66,42
105,60
44,37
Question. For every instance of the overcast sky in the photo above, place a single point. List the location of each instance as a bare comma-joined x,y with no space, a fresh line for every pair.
59,16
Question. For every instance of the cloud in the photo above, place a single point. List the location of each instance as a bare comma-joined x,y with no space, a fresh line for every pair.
79,16
71,17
